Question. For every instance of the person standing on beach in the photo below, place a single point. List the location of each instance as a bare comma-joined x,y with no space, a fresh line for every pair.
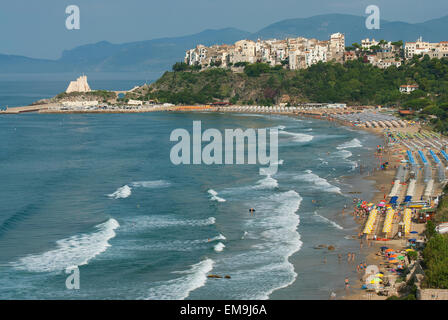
347,284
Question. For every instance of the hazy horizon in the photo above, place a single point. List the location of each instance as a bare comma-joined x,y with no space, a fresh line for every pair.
38,29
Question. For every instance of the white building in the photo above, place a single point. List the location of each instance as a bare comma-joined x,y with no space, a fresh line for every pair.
420,47
74,104
367,43
300,52
408,88
134,102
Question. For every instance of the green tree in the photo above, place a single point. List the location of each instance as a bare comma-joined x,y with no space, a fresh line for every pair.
180,66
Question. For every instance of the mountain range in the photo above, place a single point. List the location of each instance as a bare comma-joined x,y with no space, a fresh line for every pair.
159,55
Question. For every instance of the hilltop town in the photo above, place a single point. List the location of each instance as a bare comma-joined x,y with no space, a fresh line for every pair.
301,53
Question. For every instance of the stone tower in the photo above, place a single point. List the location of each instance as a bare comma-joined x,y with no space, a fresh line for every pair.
80,85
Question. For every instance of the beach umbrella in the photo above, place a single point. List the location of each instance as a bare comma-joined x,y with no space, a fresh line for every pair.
414,232
379,275
389,250
407,250
384,248
412,240
394,261
400,258
393,256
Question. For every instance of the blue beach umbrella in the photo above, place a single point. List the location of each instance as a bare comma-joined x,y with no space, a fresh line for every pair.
414,232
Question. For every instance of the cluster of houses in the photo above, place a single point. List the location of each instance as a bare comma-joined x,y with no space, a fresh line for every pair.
434,50
301,53
296,53
381,54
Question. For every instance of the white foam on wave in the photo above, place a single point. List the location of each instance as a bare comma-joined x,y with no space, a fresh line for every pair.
180,288
265,268
152,184
334,224
319,182
267,183
174,245
74,251
219,247
163,221
121,193
297,137
354,165
323,161
214,196
220,237
281,239
125,191
344,154
354,143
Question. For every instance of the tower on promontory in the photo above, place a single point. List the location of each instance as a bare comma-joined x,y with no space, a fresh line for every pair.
80,85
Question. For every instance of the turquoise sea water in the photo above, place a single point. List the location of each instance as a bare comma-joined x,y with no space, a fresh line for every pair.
100,192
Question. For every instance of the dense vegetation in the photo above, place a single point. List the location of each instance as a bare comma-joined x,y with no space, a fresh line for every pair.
355,82
435,254
436,262
100,95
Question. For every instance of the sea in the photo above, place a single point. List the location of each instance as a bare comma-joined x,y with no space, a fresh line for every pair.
99,192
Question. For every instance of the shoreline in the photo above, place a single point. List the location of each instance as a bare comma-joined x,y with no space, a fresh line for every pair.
381,180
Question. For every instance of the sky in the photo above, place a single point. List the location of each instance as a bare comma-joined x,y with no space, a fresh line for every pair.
37,28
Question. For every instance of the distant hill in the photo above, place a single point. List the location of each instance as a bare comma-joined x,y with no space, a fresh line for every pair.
159,54
321,27
12,63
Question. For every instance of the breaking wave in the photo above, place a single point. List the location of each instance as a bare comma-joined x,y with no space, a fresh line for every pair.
355,143
74,251
297,137
318,182
267,183
121,193
322,218
163,221
219,247
180,288
154,184
214,196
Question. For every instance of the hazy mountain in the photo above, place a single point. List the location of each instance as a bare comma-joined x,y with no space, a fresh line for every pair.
321,27
12,63
159,54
